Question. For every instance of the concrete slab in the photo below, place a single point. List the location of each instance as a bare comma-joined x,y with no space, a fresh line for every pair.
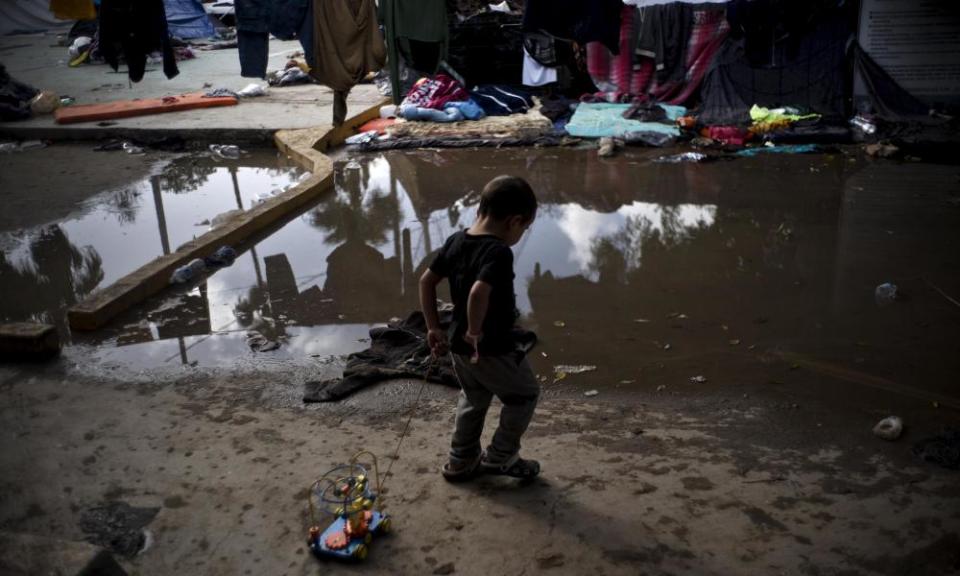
28,341
37,60
29,555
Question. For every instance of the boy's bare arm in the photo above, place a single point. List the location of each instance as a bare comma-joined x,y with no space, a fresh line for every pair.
436,338
477,304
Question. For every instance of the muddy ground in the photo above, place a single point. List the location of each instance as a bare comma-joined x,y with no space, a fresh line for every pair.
769,466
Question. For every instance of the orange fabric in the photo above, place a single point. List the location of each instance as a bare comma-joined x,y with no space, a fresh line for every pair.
145,107
378,124
73,9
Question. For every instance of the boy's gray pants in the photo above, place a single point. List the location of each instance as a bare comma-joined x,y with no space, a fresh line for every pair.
508,379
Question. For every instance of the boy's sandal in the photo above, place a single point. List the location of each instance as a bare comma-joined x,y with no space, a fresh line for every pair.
516,467
460,471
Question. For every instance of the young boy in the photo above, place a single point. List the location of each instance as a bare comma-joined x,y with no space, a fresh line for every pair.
479,265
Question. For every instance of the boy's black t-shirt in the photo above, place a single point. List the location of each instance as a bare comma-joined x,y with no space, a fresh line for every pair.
463,260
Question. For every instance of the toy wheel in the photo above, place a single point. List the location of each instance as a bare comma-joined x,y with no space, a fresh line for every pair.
384,527
360,552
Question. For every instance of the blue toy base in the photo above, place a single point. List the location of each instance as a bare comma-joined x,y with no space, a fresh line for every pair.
356,549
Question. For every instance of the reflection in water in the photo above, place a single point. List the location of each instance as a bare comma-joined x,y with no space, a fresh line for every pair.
756,251
53,275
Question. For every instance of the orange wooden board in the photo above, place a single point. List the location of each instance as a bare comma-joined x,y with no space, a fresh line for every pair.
145,107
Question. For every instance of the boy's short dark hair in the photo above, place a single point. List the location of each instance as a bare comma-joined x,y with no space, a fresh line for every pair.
507,196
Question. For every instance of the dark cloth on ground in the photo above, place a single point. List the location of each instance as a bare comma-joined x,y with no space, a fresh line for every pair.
942,449
557,108
347,46
15,97
663,36
646,112
135,28
580,20
464,260
502,100
422,21
397,351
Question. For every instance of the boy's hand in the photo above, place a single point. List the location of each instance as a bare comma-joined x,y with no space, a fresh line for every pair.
473,339
437,340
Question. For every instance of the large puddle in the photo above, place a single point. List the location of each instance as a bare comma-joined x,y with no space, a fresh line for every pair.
652,272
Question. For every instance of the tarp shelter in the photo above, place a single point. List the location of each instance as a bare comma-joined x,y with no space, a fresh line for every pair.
28,16
186,19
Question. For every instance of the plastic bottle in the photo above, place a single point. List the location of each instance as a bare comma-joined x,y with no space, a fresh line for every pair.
188,271
227,151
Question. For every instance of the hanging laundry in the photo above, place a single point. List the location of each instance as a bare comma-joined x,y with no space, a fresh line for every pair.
347,47
253,36
135,28
621,79
417,31
580,20
663,36
535,73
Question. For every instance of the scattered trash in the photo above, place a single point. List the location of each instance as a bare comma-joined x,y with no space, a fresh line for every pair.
44,103
362,138
641,320
626,382
67,100
220,93
260,343
188,271
678,315
649,138
735,342
881,150
252,91
684,157
865,125
544,354
131,148
590,393
226,151
223,256
942,449
559,376
885,294
289,77
559,323
577,369
661,388
698,379
890,428
7,147
608,147
667,346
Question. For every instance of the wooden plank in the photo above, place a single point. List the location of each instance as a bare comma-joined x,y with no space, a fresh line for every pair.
301,145
144,107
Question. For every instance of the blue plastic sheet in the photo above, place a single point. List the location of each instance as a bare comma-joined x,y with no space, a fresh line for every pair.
596,120
790,149
186,19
